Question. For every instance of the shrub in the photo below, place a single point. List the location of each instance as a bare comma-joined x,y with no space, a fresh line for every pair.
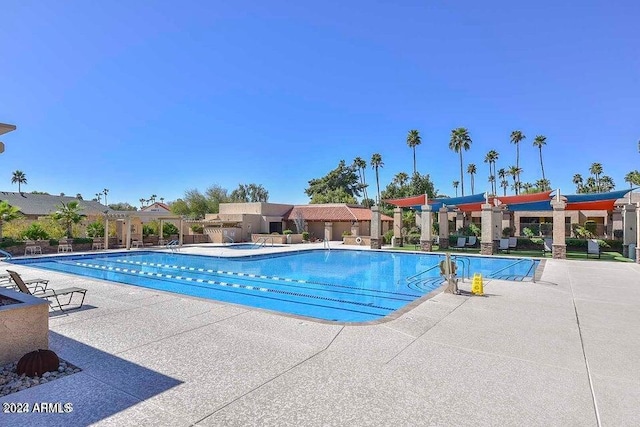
36,232
168,229
507,231
581,232
474,230
95,229
346,233
8,241
528,232
413,239
305,235
148,229
285,232
546,228
197,228
387,237
591,226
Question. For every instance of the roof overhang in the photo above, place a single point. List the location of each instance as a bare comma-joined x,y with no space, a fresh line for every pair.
6,128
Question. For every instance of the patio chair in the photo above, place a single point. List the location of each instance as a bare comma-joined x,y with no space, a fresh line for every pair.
513,242
64,245
98,243
548,246
461,244
472,241
32,248
51,295
503,245
593,248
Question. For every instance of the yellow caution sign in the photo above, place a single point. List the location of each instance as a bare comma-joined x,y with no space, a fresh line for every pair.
476,285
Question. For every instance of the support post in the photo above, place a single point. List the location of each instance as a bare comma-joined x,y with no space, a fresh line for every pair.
487,245
397,227
376,228
628,229
328,231
559,247
443,221
426,225
106,232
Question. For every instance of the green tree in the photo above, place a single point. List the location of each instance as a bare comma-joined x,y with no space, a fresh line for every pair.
516,137
19,178
7,214
401,178
540,141
471,170
36,232
460,141
249,193
67,215
105,192
335,195
596,170
455,185
342,176
413,140
180,207
95,229
577,180
504,184
633,178
376,164
398,188
122,206
215,195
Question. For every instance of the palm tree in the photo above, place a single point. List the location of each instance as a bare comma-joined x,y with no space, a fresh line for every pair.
105,191
68,214
491,158
606,184
99,197
361,164
401,179
539,141
502,174
513,171
471,170
152,199
492,181
633,178
504,184
413,140
19,177
577,180
460,140
142,203
543,184
8,213
376,163
596,170
455,185
527,186
516,137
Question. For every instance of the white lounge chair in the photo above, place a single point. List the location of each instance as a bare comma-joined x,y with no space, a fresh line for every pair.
593,247
504,245
32,247
547,246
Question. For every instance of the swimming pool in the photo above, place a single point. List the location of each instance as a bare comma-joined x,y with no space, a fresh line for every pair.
337,285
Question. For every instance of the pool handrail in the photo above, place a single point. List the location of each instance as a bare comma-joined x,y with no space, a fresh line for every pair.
410,279
533,262
6,254
462,259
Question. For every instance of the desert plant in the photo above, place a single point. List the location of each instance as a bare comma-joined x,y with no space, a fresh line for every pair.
387,237
305,235
36,232
528,232
285,232
346,233
168,229
474,229
95,229
67,215
197,228
507,231
591,226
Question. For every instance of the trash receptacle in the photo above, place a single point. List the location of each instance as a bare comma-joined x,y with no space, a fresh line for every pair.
632,251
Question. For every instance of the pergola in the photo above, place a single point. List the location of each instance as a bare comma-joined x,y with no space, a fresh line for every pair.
127,217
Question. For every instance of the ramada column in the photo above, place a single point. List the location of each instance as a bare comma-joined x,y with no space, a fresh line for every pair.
426,224
376,228
459,220
559,247
397,227
628,232
328,231
638,233
486,237
443,221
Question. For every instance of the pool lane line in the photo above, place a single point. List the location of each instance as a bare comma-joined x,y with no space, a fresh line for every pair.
259,276
226,284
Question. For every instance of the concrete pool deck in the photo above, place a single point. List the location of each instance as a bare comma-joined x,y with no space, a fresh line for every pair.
562,351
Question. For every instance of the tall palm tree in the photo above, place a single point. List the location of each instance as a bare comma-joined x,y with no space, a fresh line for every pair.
376,163
455,185
513,171
105,192
596,171
142,203
413,140
539,141
577,180
471,170
8,213
152,199
492,181
527,186
633,178
401,179
99,197
68,214
502,174
491,158
460,140
19,177
361,164
516,137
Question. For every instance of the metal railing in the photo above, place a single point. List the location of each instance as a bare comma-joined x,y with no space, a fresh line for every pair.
325,245
6,254
173,245
515,276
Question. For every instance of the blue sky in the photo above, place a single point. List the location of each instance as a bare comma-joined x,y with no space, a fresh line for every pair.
159,97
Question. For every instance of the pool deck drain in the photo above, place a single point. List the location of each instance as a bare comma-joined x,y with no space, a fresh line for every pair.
515,356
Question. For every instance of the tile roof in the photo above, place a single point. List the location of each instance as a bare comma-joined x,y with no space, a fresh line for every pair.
46,204
332,212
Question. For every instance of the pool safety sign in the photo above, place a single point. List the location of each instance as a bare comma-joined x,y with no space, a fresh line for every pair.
476,285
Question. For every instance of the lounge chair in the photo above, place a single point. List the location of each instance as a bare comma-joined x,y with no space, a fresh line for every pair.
472,241
504,245
34,285
51,295
593,247
513,242
548,246
98,243
64,245
461,244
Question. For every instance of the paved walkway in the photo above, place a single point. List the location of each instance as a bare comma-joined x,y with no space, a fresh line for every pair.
563,351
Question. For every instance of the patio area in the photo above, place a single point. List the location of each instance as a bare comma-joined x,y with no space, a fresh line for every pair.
561,351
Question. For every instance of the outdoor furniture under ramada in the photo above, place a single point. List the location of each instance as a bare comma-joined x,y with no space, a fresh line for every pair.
32,248
64,245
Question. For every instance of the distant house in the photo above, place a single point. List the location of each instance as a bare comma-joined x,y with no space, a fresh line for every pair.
35,206
157,207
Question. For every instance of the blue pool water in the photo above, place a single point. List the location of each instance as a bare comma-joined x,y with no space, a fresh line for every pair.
338,285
